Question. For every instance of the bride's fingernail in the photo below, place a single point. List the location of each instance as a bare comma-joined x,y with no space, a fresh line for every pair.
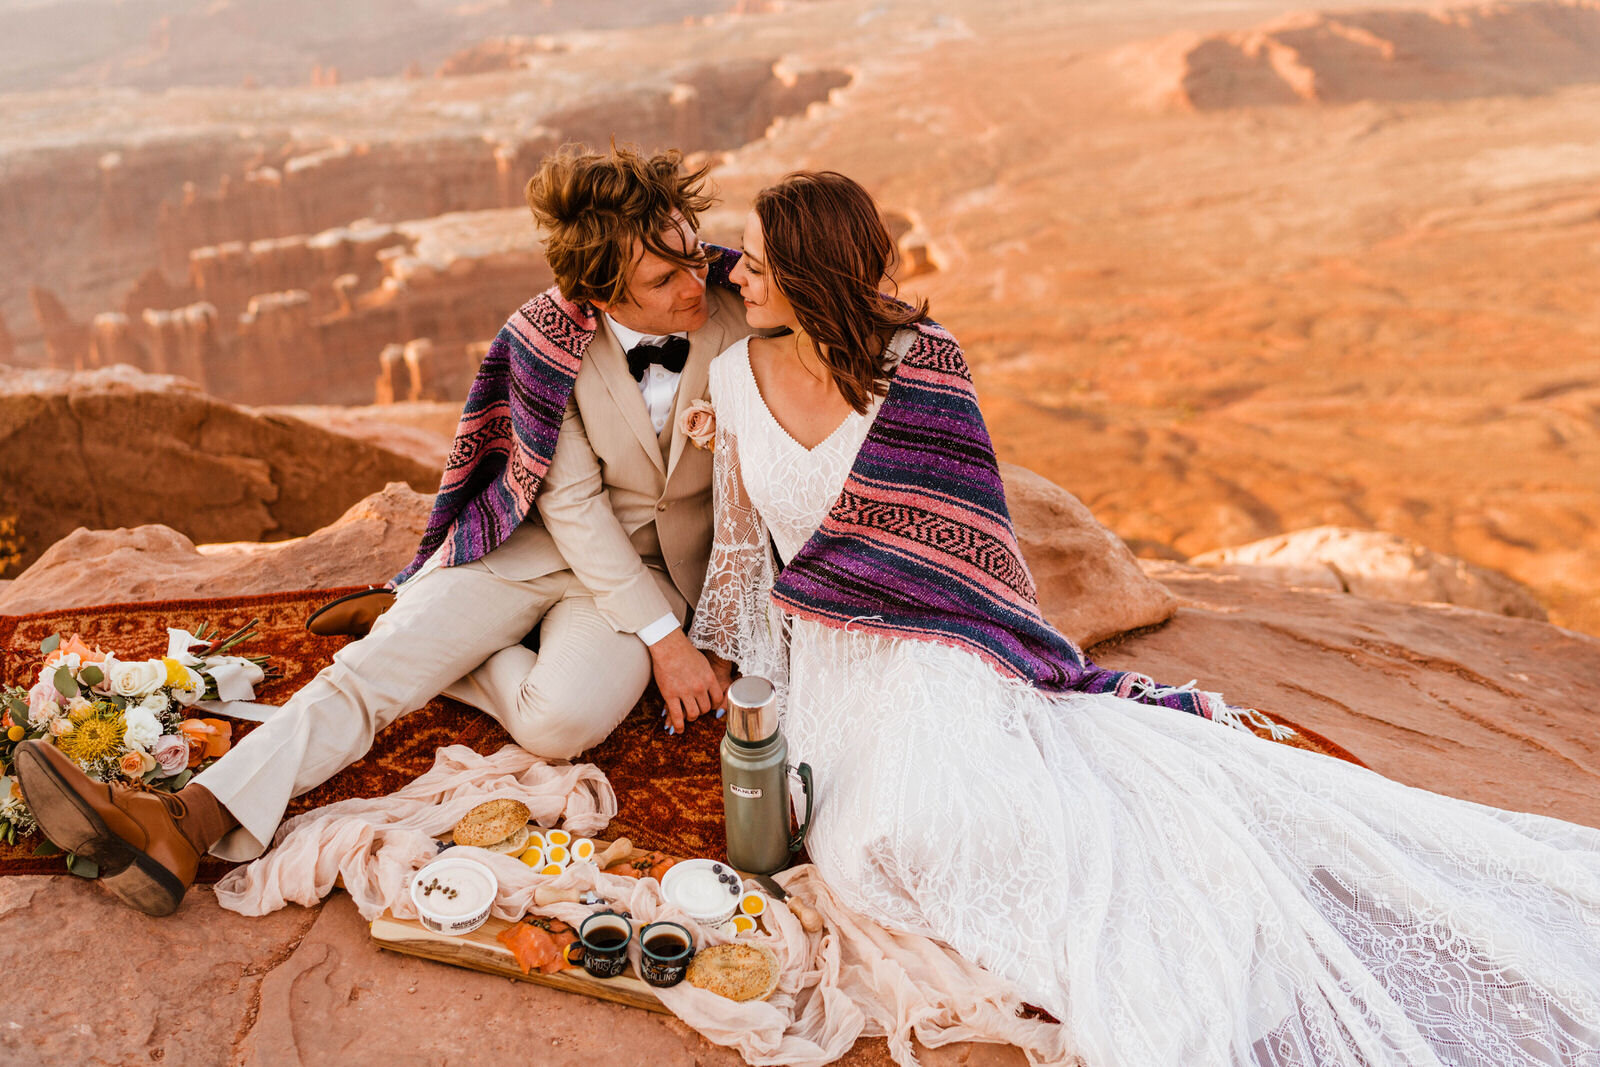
671,731
721,712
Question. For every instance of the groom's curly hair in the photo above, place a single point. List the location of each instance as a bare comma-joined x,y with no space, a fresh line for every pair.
597,208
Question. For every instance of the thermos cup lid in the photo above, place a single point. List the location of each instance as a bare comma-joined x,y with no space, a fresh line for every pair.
752,710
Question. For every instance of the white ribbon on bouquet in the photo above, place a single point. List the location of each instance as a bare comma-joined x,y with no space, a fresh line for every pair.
236,678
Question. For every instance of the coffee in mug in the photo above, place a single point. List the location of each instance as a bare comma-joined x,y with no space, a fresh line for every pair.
604,938
664,953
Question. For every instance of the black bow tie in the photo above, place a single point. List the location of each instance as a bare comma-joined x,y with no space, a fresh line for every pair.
671,354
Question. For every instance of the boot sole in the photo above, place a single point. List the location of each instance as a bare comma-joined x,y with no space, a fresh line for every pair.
71,824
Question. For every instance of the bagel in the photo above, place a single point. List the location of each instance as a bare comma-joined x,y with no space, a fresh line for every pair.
497,825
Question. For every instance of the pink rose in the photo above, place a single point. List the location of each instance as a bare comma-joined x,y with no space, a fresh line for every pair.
699,423
171,754
44,702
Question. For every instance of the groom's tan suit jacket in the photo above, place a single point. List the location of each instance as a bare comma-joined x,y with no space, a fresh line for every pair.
626,509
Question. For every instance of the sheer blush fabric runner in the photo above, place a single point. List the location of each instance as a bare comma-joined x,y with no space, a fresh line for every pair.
854,979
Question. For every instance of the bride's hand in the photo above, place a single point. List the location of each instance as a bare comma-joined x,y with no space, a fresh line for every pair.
687,683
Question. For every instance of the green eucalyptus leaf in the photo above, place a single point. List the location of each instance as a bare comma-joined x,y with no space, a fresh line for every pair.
46,849
50,644
181,779
121,702
91,675
81,867
65,685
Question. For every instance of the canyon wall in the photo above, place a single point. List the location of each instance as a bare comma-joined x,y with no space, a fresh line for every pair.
280,272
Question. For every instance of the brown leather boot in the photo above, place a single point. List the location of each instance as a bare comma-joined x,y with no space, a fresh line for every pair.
147,844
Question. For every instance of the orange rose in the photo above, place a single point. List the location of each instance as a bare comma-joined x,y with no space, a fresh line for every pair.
75,644
207,738
132,764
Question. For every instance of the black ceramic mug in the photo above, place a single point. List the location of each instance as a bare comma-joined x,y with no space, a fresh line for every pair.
664,953
604,937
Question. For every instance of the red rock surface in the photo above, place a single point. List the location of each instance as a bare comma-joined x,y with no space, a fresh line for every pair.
1479,706
1498,710
1372,564
367,545
117,448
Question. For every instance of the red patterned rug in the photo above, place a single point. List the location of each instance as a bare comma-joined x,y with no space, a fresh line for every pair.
668,788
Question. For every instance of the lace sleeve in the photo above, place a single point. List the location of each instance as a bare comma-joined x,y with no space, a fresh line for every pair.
736,618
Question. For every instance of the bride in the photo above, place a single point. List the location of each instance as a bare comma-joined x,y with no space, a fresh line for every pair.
1176,892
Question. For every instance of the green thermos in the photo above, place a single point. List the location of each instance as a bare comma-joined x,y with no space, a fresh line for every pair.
755,781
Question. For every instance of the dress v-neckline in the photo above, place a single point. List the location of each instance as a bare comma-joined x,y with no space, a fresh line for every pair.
787,436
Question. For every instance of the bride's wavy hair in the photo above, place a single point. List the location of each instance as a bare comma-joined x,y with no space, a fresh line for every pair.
829,254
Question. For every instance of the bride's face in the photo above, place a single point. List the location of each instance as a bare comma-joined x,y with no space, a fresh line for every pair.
764,306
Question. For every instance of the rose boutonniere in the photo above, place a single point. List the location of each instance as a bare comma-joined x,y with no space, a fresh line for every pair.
699,423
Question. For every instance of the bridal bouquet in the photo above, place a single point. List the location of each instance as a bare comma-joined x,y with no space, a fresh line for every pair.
130,721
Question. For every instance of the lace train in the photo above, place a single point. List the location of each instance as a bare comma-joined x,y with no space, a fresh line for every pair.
1174,891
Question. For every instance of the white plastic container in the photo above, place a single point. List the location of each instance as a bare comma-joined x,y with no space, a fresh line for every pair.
693,886
467,909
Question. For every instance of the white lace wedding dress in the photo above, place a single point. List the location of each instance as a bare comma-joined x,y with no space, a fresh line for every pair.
1174,891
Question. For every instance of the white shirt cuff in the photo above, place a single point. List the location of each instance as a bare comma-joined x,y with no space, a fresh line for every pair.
660,628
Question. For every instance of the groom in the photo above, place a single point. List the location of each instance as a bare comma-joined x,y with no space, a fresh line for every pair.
575,415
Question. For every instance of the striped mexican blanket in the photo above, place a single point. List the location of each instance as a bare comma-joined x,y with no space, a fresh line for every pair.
510,424
920,545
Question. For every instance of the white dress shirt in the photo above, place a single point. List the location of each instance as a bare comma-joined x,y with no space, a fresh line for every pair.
659,387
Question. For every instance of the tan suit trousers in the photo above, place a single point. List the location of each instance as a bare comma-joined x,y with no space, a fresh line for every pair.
455,630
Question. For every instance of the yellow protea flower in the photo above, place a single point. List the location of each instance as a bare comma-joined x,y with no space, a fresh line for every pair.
94,739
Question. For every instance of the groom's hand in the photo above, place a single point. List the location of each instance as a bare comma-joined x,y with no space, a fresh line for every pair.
684,675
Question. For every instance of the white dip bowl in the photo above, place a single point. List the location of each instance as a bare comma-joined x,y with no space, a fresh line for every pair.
692,885
474,884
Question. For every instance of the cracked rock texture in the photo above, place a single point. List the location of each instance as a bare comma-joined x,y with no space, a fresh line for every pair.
116,447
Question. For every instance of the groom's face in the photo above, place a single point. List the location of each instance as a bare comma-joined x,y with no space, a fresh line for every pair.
664,297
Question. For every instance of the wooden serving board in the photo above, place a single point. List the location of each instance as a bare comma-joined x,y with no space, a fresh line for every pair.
480,951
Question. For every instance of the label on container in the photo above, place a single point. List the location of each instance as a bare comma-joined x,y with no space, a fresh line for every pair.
741,791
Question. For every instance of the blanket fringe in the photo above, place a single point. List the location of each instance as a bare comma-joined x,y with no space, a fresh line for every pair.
1143,687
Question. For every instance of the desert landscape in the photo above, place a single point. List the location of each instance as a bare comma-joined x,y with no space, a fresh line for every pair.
1296,301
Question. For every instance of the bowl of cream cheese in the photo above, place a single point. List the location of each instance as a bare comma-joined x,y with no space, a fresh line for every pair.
453,896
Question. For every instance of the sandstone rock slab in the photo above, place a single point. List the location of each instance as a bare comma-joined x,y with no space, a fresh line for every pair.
90,981
1488,708
1375,564
1090,584
367,545
116,447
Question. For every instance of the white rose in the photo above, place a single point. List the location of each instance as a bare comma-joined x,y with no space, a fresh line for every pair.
196,689
142,728
138,679
47,673
155,703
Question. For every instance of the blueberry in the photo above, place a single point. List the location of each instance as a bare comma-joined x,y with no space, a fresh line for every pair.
716,868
